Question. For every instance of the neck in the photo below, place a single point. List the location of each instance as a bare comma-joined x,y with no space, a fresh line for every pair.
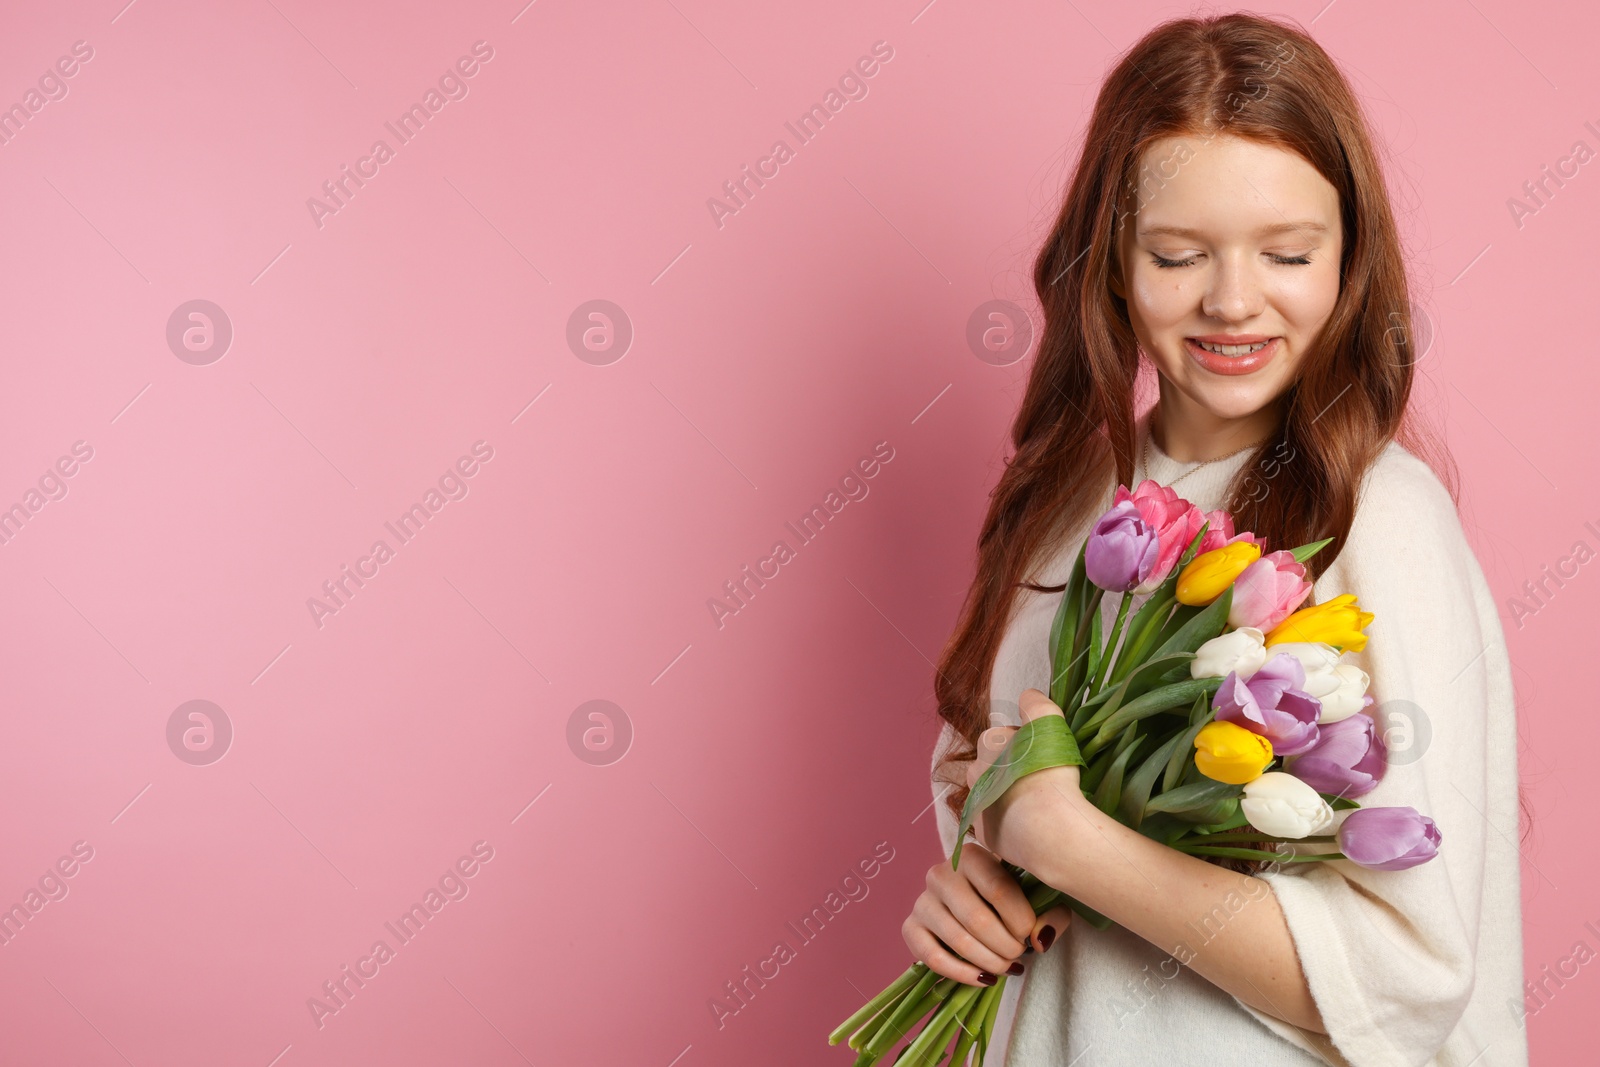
1190,434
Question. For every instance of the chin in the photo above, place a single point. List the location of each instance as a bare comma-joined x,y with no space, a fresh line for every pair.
1226,401
1242,403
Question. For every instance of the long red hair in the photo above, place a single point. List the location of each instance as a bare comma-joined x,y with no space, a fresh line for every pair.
1263,80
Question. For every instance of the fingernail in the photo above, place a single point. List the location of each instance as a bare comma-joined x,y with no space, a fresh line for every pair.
1047,936
986,978
1015,969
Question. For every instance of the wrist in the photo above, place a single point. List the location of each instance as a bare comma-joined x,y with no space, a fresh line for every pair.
1057,858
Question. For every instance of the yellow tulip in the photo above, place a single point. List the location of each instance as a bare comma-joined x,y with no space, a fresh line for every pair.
1209,573
1227,752
1337,622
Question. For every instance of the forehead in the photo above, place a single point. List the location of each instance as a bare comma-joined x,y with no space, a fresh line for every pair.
1229,186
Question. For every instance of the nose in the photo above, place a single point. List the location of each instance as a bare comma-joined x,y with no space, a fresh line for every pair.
1234,293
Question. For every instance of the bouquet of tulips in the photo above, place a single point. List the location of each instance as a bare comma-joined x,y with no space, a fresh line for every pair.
1218,719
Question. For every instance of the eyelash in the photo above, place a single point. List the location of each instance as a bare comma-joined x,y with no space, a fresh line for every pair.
1302,261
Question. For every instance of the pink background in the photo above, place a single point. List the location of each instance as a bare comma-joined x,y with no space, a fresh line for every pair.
769,756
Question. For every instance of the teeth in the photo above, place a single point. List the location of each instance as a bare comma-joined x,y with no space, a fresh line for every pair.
1232,350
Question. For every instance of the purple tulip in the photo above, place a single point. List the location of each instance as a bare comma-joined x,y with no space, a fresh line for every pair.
1388,839
1272,703
1347,760
1122,549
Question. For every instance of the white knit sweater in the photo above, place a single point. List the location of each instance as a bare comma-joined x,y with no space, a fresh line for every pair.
1421,966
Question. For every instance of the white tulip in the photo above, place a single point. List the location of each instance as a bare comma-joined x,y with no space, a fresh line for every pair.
1339,686
1348,699
1243,650
1318,658
1280,804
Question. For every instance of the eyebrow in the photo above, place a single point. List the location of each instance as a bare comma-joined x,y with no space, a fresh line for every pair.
1306,226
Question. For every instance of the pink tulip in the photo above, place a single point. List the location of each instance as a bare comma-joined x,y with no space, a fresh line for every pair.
1174,520
1268,591
1220,532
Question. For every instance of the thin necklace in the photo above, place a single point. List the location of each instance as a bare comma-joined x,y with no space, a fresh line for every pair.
1149,433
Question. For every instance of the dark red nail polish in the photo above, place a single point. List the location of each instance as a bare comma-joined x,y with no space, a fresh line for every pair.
1047,936
1014,970
986,978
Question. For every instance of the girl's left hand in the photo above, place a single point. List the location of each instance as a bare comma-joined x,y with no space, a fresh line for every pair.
1026,825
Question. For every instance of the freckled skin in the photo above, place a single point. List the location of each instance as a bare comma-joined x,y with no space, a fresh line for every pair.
1234,280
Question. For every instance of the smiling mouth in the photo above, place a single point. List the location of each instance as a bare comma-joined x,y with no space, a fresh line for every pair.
1231,350
1247,355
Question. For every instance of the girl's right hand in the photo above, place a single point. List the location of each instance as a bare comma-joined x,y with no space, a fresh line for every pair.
975,922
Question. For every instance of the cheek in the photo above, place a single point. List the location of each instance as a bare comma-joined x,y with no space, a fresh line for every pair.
1161,306
1306,302
1161,299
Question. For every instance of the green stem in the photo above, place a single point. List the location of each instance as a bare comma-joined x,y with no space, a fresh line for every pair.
1230,836
1254,854
970,1025
1080,643
986,1032
1111,646
863,1037
922,998
872,1007
942,1027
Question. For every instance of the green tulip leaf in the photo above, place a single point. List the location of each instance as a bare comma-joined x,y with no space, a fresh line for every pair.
1064,628
1193,797
1096,651
1190,552
1071,659
1136,791
1151,703
1109,793
1233,822
1039,745
1305,552
1144,671
1219,811
1142,631
1202,627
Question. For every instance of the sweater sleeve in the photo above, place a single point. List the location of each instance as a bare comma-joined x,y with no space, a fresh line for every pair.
1389,955
944,819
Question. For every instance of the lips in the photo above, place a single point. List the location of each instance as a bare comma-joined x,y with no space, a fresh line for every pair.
1218,363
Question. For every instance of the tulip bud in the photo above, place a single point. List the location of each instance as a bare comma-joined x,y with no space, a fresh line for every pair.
1388,839
1348,759
1350,697
1240,652
1122,549
1341,687
1219,532
1174,520
1337,622
1282,805
1267,591
1228,753
1209,573
1272,704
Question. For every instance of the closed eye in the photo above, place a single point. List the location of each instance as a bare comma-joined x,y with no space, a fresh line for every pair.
1160,261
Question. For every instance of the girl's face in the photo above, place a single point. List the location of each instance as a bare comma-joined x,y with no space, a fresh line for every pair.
1230,267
